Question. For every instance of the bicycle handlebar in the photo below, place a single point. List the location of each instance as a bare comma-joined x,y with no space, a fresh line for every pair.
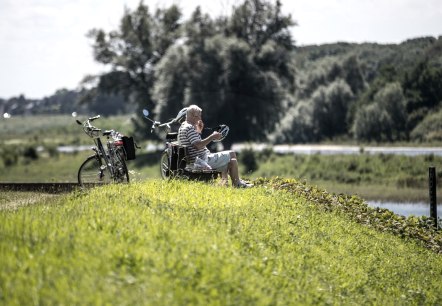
157,124
88,128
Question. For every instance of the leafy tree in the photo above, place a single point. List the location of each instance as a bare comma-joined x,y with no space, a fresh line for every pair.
257,22
385,119
296,126
429,129
169,89
330,107
133,50
392,99
372,123
237,69
423,89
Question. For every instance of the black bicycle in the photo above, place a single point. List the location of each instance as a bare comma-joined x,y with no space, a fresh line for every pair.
106,165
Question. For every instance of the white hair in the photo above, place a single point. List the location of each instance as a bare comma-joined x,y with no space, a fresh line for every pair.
192,109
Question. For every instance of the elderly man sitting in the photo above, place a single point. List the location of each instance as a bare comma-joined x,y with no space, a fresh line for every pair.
189,134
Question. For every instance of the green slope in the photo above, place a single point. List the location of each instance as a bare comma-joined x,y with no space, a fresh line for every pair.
175,243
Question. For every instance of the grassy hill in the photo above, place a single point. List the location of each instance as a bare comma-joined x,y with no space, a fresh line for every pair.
174,243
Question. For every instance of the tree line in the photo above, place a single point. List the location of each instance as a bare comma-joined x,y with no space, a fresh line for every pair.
245,70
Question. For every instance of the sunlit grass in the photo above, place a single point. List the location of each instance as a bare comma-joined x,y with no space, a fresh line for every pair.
13,200
175,243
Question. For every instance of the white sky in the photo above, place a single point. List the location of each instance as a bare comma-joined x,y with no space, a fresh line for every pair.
43,44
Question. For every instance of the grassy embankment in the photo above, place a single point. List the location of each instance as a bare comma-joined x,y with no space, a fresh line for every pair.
174,243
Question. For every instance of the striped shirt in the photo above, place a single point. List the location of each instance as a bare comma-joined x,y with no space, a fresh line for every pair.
187,136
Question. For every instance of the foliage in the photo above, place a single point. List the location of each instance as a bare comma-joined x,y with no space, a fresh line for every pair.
422,89
238,70
180,243
11,155
247,158
133,50
429,129
370,70
385,119
330,108
323,105
296,126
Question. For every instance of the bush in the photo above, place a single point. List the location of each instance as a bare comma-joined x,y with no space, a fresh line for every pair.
52,150
8,155
430,129
384,119
248,159
30,152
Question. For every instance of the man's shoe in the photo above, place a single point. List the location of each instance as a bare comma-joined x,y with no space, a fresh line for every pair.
243,184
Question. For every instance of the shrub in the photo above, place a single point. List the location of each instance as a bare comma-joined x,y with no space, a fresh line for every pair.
30,152
248,159
430,129
9,155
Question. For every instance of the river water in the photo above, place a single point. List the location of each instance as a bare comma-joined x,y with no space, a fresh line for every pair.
407,209
301,149
340,149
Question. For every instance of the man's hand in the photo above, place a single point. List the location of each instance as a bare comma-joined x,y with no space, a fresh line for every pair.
216,135
204,142
199,126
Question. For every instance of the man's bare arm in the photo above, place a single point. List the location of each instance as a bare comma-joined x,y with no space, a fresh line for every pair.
204,142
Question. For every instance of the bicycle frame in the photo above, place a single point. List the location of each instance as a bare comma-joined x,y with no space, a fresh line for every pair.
111,158
100,151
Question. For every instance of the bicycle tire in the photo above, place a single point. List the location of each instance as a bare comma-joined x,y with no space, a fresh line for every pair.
165,165
93,171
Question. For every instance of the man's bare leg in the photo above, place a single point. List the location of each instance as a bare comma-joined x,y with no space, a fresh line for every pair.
233,171
224,178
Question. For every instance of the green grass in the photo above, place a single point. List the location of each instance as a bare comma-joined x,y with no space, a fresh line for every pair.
61,168
64,168
175,243
57,129
12,200
394,170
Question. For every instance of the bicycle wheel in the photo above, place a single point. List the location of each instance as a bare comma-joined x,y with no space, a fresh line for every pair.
121,173
93,171
165,165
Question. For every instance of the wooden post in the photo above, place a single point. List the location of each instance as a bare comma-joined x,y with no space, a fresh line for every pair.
433,195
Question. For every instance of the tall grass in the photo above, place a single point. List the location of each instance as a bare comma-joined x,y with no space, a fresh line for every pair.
175,243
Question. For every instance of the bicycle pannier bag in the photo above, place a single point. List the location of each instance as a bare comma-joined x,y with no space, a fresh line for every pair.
129,147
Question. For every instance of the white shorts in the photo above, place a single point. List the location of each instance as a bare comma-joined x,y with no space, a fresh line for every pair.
219,161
